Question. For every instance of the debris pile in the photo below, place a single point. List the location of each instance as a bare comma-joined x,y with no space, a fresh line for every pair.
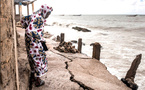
66,47
47,35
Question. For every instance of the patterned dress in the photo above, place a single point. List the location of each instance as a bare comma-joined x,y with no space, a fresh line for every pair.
33,37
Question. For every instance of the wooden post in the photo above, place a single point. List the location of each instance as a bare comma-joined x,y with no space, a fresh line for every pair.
80,45
27,9
58,38
132,71
32,7
15,9
61,37
20,11
96,51
129,78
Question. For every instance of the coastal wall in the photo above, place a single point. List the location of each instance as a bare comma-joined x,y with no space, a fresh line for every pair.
7,59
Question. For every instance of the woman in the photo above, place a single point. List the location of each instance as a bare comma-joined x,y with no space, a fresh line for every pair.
34,25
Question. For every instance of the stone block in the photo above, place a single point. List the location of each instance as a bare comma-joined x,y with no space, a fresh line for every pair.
7,59
6,8
6,29
7,50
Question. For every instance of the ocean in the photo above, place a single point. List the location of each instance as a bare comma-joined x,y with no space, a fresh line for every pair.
122,37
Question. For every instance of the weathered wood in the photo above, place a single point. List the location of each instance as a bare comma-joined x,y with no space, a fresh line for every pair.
15,9
129,78
132,71
25,3
32,7
20,11
61,37
96,51
15,45
27,9
80,45
58,38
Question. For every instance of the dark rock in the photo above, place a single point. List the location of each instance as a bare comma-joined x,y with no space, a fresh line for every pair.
46,24
67,25
130,83
47,35
81,29
91,44
54,23
60,24
74,41
84,44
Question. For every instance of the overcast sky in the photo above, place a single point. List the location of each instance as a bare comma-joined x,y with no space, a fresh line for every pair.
92,6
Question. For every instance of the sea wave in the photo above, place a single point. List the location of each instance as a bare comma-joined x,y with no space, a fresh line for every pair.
121,37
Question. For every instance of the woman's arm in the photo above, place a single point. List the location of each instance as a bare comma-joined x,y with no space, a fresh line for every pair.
25,21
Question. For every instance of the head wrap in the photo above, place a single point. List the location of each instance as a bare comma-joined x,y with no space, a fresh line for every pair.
44,10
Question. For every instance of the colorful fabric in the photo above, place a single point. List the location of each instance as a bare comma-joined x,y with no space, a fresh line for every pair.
33,37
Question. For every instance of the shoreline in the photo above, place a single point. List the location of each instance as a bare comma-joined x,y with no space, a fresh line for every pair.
82,70
120,46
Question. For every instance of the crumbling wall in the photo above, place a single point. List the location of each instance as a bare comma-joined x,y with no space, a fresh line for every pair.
7,59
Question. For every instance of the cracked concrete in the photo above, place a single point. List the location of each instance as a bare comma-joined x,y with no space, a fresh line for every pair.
78,82
58,77
68,71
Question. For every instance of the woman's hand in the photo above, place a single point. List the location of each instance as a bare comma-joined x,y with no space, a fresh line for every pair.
25,26
43,41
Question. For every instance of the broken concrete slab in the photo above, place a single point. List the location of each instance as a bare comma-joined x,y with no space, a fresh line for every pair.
57,77
68,71
94,74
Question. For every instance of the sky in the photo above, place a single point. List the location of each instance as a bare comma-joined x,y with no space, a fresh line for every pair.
91,6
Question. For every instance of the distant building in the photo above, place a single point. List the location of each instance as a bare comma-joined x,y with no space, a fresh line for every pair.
25,3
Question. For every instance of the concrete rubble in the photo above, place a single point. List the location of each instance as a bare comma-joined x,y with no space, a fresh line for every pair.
66,47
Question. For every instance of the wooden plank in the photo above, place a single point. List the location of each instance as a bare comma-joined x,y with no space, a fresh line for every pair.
32,7
20,11
15,44
25,3
27,9
15,9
